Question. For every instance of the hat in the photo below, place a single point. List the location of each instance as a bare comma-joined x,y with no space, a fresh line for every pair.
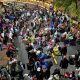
32,44
46,29
56,76
27,29
73,56
38,52
25,75
38,69
34,50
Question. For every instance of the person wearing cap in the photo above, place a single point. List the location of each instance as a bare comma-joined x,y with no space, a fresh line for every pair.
46,72
38,52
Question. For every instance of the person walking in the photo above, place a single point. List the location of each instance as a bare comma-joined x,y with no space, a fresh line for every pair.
64,64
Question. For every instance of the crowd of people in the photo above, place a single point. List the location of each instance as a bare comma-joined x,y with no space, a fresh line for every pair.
13,67
46,34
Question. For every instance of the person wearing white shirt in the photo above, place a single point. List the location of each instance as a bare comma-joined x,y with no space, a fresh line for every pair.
13,60
10,35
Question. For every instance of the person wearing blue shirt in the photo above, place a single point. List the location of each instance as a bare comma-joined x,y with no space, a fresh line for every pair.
11,18
52,27
42,56
46,64
46,70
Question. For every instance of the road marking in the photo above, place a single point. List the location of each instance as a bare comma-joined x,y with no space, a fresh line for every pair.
55,61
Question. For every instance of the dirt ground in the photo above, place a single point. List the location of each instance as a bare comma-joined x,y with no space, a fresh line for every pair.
3,58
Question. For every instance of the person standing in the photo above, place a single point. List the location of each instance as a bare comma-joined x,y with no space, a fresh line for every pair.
1,40
64,64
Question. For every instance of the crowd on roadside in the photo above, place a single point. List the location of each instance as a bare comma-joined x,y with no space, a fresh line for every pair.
7,34
42,32
42,36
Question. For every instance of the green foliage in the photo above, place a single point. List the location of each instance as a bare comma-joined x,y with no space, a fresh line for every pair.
72,9
78,13
64,3
70,6
58,3
41,0
67,3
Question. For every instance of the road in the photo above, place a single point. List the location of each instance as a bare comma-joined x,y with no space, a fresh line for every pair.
22,52
24,57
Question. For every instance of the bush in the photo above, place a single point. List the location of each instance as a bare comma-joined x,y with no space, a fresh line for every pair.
72,10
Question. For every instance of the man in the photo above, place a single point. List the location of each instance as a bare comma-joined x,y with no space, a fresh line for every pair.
64,49
64,64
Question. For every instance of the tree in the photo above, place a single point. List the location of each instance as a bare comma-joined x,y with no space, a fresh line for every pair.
71,6
76,4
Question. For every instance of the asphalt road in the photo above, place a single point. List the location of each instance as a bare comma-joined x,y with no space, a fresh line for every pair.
22,52
24,57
